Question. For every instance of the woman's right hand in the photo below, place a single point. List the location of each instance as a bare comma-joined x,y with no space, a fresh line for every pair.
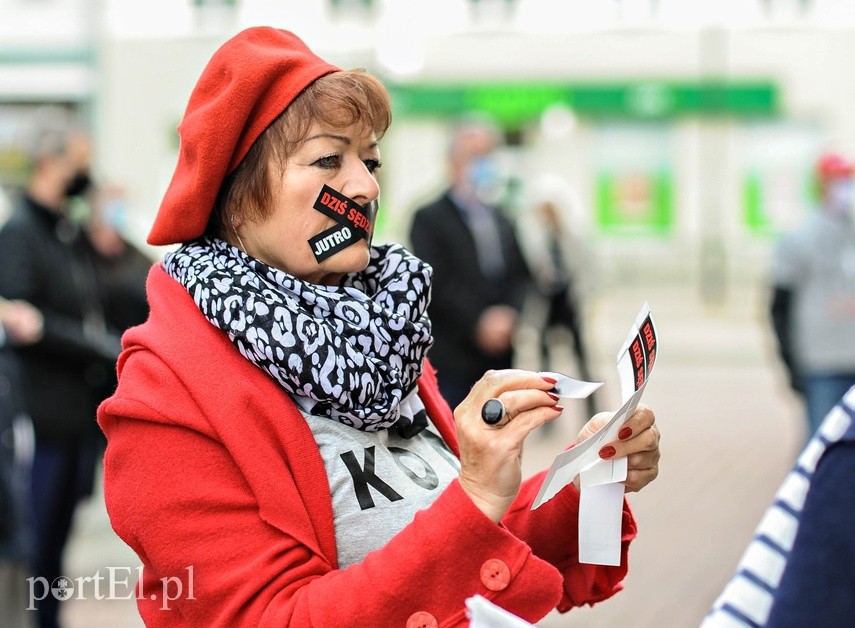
491,455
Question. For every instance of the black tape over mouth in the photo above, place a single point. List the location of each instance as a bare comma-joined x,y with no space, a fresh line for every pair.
355,222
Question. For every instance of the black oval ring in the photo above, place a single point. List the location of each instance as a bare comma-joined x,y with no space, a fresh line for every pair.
492,411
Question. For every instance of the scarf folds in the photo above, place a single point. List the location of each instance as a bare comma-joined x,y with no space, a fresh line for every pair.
351,353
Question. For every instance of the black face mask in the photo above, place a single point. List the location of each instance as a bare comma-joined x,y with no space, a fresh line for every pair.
78,184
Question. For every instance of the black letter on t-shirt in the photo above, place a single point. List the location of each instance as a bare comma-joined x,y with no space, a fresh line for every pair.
429,480
363,477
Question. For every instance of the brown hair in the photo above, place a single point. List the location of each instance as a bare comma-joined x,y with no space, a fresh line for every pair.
337,101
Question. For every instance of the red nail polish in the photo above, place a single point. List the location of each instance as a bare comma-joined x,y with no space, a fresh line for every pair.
553,397
625,433
607,452
549,380
559,408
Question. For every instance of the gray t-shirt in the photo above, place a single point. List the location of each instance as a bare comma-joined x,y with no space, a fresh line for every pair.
817,263
378,481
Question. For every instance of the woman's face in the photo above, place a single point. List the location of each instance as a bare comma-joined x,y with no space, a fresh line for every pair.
345,160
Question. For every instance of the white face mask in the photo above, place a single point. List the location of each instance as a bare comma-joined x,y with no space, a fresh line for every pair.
840,198
486,180
115,212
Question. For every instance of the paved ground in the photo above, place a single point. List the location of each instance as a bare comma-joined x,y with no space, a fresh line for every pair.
730,432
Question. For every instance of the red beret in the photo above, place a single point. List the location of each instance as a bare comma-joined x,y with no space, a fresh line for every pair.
248,82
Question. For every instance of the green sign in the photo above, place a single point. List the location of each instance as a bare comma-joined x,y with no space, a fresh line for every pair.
754,214
649,100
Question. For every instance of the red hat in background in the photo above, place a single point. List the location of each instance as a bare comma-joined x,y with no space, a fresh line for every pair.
833,166
248,82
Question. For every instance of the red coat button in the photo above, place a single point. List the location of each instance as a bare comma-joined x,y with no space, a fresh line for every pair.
422,619
495,574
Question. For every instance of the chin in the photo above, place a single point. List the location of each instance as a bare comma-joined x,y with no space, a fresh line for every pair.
361,254
352,260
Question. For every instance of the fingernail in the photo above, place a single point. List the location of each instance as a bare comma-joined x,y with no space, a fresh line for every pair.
625,433
607,452
553,397
549,380
559,408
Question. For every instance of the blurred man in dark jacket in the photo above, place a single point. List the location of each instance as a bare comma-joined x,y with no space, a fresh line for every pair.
480,277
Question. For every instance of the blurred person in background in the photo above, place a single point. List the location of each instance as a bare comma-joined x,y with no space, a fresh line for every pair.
46,260
278,449
20,324
559,260
121,266
813,298
481,279
799,569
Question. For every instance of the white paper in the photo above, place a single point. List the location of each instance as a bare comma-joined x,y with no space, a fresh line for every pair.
601,481
569,388
600,519
484,614
603,472
601,512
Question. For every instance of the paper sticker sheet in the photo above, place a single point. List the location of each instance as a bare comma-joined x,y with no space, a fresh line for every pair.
601,500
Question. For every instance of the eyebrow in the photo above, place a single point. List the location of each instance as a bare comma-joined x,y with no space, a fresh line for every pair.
339,138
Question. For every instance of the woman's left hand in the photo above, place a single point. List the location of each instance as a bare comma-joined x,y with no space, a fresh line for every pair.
638,441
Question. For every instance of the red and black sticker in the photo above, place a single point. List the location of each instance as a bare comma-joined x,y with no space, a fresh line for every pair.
355,222
648,335
333,240
636,354
344,210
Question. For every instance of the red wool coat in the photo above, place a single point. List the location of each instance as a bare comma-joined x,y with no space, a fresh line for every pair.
213,477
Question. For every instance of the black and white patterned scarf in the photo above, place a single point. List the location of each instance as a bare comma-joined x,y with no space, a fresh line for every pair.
351,352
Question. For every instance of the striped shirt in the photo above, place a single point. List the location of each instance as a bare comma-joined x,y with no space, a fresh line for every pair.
749,597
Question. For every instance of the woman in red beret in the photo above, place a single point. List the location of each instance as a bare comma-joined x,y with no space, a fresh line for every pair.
278,452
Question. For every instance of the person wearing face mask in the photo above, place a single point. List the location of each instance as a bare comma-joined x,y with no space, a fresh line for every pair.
813,296
481,279
46,261
120,265
278,453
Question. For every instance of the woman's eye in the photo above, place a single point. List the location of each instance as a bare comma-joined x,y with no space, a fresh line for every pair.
329,162
372,164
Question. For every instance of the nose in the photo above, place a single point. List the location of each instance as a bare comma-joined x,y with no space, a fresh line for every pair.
359,183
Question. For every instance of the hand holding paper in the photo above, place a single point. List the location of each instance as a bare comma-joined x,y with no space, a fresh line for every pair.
600,459
634,363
